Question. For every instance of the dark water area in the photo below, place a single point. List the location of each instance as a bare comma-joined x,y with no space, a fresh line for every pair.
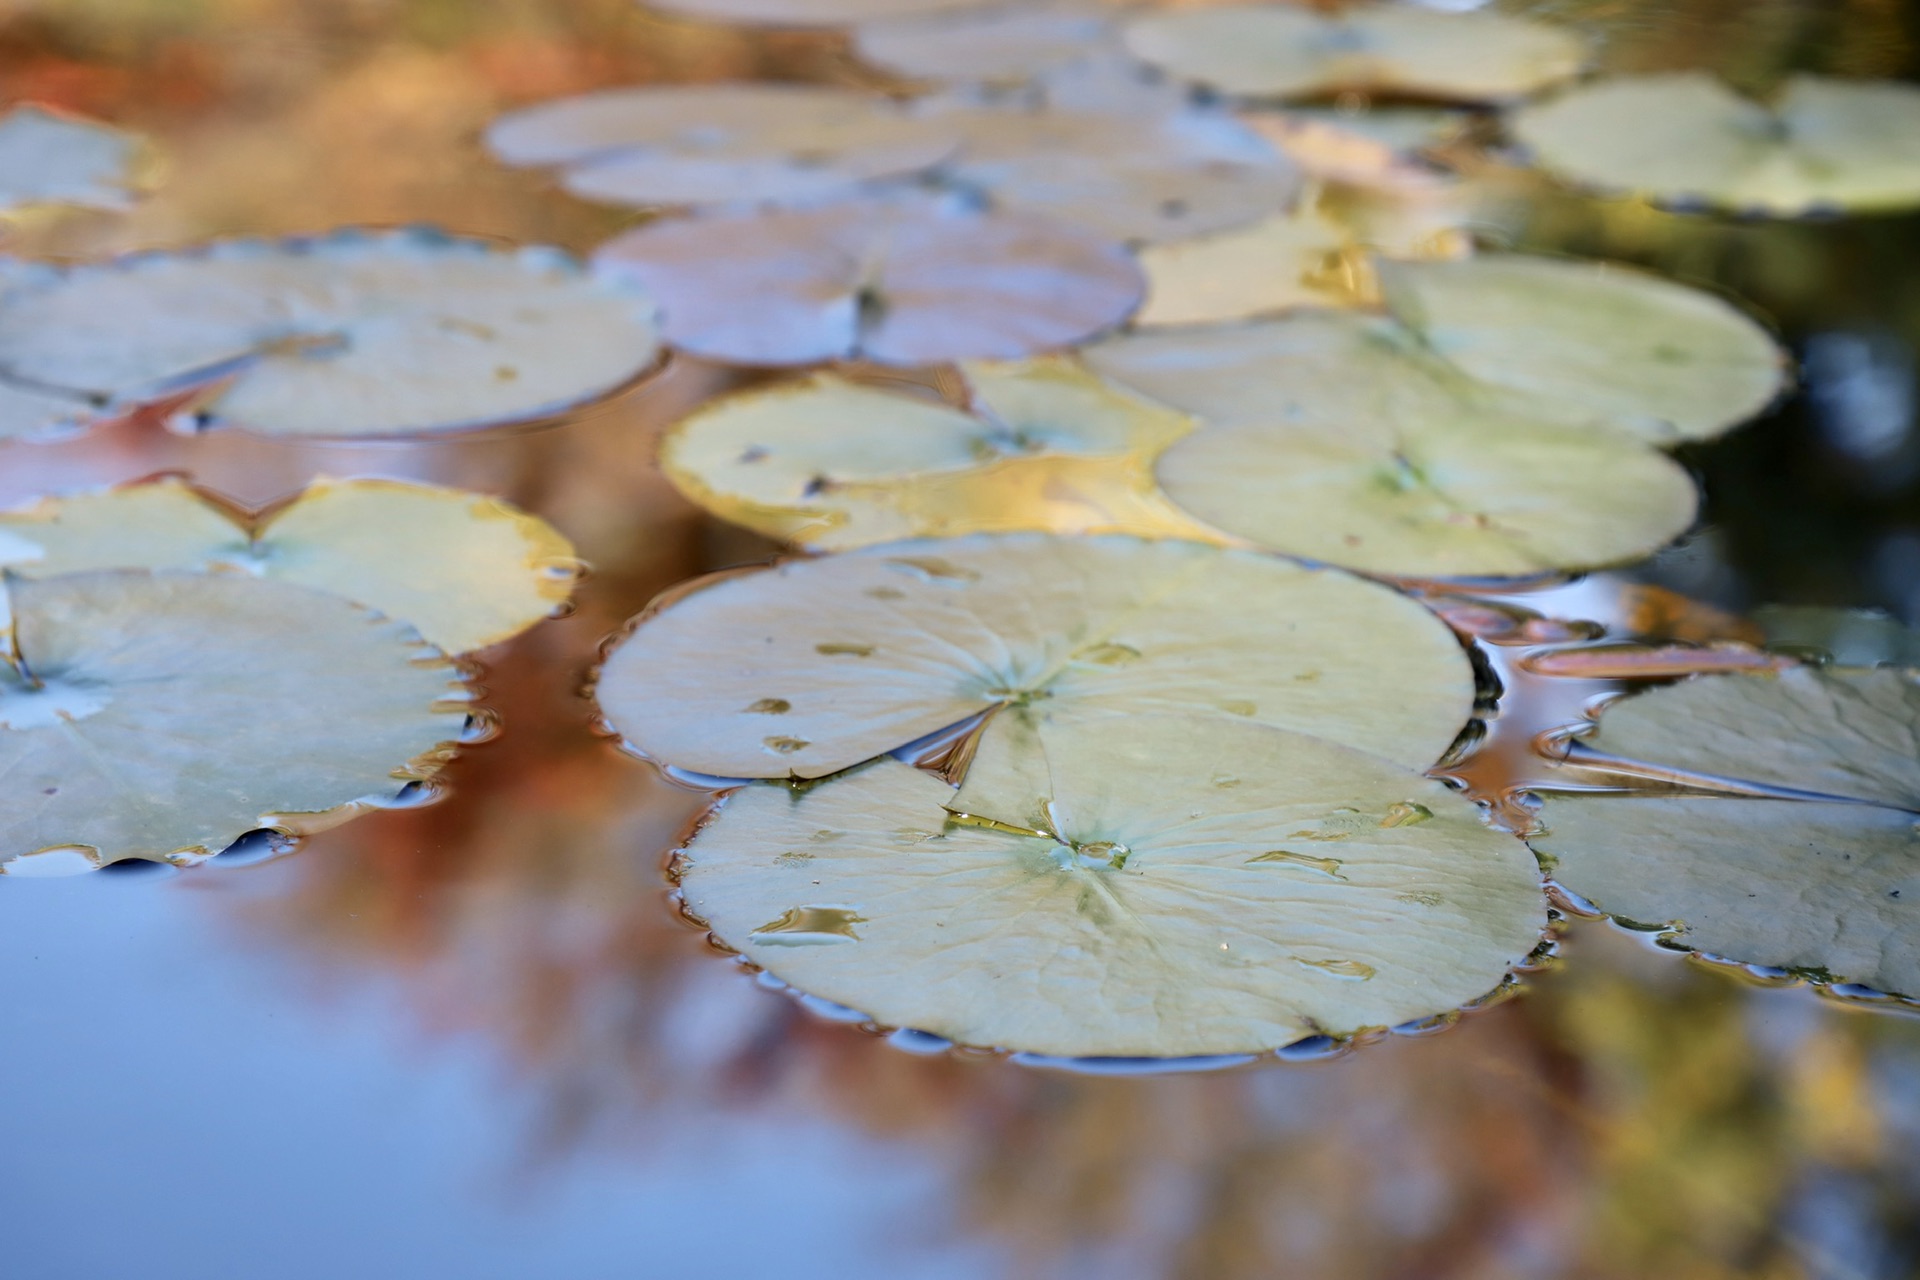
474,1039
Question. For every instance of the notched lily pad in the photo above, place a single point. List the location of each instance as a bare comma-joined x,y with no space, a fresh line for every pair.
163,715
1740,868
51,158
911,280
1685,138
869,650
717,144
1280,51
830,464
1200,888
355,333
1292,260
464,569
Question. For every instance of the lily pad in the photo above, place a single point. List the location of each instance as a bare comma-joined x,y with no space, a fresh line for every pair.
1279,51
1562,344
1204,888
1370,147
909,281
1297,259
816,665
713,144
829,464
1005,42
1686,138
164,715
1850,637
354,333
465,569
1828,887
808,13
50,158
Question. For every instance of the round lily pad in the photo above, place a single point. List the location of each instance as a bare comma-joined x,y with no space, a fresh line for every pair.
1828,887
465,569
815,665
829,464
711,144
808,13
1004,42
1686,138
164,715
50,158
1281,51
910,281
354,333
1203,888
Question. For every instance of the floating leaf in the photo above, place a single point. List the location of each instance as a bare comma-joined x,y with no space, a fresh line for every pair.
909,281
1008,42
1157,917
808,13
830,464
466,570
349,334
1276,51
162,716
709,144
1686,138
48,158
1555,343
872,649
1822,886
1850,637
1370,147
1299,259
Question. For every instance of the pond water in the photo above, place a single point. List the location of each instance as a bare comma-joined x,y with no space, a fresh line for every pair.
473,1038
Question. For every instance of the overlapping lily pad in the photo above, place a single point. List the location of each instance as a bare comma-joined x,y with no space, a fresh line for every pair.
1686,138
466,570
49,158
912,280
1297,259
816,665
717,144
164,715
349,334
1199,888
1826,885
1282,51
829,464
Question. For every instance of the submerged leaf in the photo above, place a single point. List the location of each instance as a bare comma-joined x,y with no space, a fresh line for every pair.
48,158
911,280
712,144
830,464
1819,885
162,716
1685,137
1850,637
350,334
1278,51
1204,888
464,569
872,649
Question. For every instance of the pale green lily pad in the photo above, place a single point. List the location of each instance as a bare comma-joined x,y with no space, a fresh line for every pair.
1686,138
1204,888
49,158
350,334
829,463
1297,259
717,144
1282,51
816,665
162,716
1003,42
465,569
1826,887
1565,345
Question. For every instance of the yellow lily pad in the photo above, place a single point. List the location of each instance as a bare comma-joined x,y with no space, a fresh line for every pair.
1297,259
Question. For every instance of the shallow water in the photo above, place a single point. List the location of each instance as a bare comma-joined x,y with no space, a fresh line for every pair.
474,1039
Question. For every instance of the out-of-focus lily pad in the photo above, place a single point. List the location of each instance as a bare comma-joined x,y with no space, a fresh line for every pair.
162,716
1371,147
1558,343
1469,496
909,281
1005,42
48,158
1686,138
1826,887
1202,888
1849,637
464,569
816,665
713,144
1297,259
830,464
807,13
1279,51
355,333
